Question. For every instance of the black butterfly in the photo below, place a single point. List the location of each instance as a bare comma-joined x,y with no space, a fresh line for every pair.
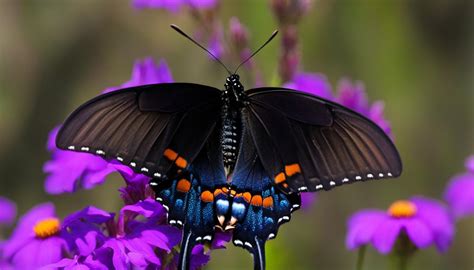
233,159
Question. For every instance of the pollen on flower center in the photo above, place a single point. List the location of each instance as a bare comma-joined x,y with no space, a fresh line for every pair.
46,227
400,209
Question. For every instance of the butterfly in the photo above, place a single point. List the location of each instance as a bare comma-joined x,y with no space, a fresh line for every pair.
231,160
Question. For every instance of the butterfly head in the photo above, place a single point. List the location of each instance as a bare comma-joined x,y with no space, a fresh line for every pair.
234,90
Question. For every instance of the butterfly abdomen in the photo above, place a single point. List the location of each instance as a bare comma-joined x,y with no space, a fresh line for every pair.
233,99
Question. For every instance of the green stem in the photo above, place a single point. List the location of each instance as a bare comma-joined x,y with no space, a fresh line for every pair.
361,257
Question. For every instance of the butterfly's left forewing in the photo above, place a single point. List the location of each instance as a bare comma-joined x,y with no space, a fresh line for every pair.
149,128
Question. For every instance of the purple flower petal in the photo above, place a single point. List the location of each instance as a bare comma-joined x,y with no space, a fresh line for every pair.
436,216
362,226
418,232
313,83
460,195
7,211
89,214
174,5
353,96
307,199
386,234
199,257
221,239
146,72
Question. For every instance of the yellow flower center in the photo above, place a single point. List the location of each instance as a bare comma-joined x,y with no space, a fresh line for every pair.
46,227
402,209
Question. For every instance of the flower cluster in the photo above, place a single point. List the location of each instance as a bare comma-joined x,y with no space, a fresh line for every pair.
137,237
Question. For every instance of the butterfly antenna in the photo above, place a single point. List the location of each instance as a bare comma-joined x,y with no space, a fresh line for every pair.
261,47
177,29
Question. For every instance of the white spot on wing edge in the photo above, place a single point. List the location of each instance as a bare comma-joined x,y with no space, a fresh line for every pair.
389,174
332,183
207,237
153,184
144,169
302,189
380,174
358,177
84,148
345,180
157,174
369,175
71,147
318,187
100,152
199,238
271,236
120,159
248,245
133,164
238,243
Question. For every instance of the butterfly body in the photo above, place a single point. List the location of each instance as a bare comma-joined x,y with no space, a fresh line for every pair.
230,160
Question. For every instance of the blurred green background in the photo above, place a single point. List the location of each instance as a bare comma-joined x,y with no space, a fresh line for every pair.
417,56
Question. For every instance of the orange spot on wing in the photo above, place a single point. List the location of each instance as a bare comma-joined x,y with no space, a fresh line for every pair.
280,178
233,192
183,185
256,200
217,192
285,185
247,196
225,190
206,196
181,162
268,202
170,154
292,169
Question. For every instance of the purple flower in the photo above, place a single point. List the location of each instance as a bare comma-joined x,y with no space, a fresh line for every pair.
215,44
424,221
174,5
7,211
69,170
353,96
312,83
133,242
460,192
37,239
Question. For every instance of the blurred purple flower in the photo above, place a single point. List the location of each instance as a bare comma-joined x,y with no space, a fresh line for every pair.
349,95
312,83
470,164
353,96
68,170
424,221
7,211
238,33
307,199
460,192
37,239
215,44
146,72
174,5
